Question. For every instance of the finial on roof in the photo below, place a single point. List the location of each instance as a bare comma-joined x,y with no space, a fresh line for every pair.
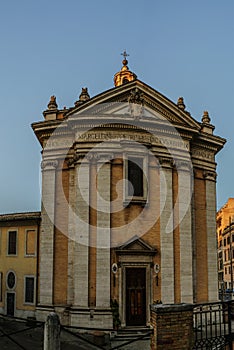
206,118
180,103
52,104
84,96
125,75
125,55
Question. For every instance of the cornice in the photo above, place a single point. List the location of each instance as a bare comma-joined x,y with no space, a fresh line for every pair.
208,141
20,216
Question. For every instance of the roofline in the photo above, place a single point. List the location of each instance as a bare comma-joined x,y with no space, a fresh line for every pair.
129,86
20,216
224,205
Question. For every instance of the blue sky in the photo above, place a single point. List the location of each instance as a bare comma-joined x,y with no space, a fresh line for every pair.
181,48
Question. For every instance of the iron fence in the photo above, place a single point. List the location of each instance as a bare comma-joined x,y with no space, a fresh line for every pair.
213,326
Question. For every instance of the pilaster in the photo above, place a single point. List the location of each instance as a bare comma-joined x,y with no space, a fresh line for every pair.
166,231
210,179
81,229
103,231
47,232
185,229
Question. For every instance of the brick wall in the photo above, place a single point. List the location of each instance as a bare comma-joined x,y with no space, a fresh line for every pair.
173,326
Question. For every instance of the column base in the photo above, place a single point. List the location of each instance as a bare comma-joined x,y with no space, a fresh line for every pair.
42,311
91,318
78,316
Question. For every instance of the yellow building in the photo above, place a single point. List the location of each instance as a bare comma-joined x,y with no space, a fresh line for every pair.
18,263
225,239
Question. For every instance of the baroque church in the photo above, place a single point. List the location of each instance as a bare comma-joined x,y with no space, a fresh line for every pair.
128,205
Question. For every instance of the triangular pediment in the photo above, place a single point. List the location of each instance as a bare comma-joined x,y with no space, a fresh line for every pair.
136,245
125,101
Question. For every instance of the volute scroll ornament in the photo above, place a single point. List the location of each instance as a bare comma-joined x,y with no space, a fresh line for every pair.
105,157
166,162
210,175
78,158
183,165
49,164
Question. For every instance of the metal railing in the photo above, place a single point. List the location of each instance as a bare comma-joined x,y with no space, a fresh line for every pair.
213,325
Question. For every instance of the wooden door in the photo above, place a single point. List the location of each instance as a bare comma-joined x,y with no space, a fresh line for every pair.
10,304
135,296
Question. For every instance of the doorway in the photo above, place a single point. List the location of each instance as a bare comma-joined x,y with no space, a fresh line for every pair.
135,296
10,304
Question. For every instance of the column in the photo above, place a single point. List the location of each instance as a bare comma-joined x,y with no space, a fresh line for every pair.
166,231
210,178
103,231
185,229
81,227
46,262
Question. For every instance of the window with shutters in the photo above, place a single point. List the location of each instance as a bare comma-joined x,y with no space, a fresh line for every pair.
30,243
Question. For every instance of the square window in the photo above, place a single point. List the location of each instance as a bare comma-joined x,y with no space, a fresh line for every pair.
12,243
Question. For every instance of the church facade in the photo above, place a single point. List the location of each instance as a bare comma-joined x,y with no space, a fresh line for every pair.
128,206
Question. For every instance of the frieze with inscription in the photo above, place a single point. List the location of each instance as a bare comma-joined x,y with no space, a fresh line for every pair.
56,142
203,154
147,138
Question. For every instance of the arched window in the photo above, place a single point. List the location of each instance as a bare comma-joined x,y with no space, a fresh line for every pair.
125,80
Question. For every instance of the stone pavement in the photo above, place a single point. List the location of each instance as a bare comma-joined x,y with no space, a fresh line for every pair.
33,338
139,345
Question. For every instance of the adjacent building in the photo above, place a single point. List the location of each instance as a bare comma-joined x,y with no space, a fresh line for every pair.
18,263
225,239
128,205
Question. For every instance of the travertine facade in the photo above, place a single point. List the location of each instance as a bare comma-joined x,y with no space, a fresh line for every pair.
103,239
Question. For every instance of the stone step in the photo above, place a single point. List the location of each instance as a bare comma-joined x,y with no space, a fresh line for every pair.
130,333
